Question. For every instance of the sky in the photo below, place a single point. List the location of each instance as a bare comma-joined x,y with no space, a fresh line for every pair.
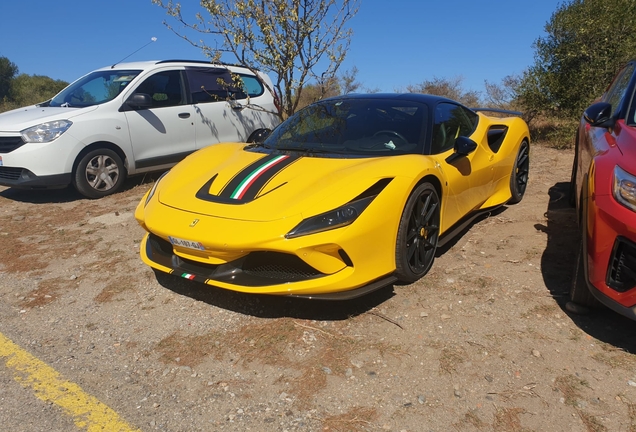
395,43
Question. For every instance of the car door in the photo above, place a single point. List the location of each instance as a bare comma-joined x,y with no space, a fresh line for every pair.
220,108
163,133
470,178
215,120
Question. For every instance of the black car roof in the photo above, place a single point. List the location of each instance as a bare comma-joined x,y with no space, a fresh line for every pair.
414,97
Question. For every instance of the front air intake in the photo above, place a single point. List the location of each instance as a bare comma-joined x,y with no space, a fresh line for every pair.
621,275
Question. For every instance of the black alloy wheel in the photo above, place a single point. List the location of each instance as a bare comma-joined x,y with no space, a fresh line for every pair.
418,234
519,176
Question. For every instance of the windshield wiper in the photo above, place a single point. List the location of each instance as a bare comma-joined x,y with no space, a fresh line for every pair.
254,145
307,150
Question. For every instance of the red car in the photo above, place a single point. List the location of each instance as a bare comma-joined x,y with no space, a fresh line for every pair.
603,188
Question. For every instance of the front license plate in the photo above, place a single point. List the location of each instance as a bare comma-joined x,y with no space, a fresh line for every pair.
186,243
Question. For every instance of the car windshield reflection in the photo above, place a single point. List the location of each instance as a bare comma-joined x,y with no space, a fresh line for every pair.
93,89
372,127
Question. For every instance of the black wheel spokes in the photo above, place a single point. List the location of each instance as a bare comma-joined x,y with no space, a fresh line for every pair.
423,213
412,243
523,158
423,231
522,180
428,216
522,169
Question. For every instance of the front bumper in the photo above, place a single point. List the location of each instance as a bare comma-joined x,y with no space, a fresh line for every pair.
22,178
255,257
256,273
611,254
37,165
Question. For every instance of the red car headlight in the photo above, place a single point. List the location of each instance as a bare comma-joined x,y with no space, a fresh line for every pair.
624,188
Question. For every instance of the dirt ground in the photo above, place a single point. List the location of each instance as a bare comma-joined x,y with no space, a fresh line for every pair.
483,342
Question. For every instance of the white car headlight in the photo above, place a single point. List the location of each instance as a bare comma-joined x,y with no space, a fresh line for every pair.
46,132
625,188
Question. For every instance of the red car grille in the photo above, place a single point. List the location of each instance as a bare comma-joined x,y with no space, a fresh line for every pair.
621,275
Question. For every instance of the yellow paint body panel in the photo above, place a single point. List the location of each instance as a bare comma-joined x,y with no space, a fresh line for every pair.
230,231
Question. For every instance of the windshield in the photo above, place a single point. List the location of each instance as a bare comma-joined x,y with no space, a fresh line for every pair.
368,127
94,89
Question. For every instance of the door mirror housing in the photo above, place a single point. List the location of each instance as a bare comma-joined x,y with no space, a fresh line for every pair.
599,115
259,136
463,147
138,101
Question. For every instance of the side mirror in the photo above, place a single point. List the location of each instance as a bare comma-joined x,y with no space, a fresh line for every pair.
258,136
139,100
599,115
463,147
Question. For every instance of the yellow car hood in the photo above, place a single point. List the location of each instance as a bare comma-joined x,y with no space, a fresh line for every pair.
226,181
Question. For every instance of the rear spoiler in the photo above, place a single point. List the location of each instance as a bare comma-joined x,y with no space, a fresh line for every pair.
499,111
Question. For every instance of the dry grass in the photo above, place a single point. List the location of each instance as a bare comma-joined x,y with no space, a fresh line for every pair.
110,292
542,311
615,358
47,291
291,344
188,350
471,418
451,358
31,240
355,420
268,342
591,423
570,386
555,133
631,412
507,420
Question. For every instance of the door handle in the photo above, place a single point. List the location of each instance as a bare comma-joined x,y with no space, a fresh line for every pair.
184,115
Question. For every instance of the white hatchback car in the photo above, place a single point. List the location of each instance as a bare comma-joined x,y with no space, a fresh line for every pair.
128,119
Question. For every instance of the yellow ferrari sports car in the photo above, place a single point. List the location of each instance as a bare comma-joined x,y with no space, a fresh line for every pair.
348,195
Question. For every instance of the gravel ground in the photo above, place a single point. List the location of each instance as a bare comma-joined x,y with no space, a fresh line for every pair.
483,342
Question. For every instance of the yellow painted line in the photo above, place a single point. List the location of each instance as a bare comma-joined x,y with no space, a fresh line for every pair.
87,412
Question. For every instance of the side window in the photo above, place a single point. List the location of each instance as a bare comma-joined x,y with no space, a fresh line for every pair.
451,121
251,85
616,91
213,85
165,89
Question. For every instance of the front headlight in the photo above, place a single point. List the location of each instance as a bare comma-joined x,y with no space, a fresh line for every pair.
333,219
154,188
46,132
625,188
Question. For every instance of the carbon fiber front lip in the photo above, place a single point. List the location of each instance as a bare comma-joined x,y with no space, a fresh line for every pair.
236,272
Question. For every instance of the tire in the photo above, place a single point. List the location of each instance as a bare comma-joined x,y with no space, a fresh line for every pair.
575,164
418,233
99,172
519,176
579,292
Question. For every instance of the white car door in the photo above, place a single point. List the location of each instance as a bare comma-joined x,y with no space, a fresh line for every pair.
164,133
221,114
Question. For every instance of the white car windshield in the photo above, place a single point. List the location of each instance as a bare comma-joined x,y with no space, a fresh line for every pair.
94,89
